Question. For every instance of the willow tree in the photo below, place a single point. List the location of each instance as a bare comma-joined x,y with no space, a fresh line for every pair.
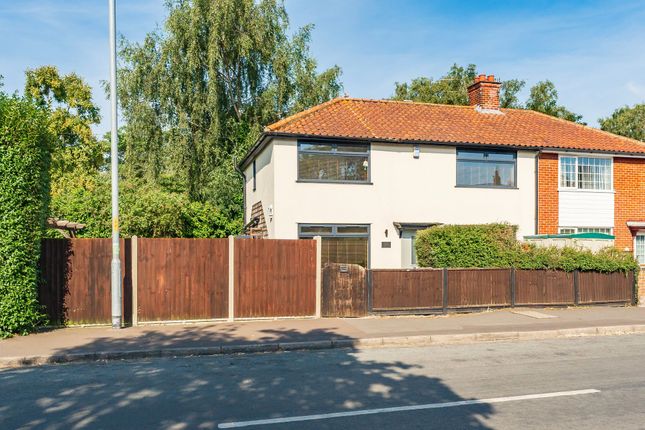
197,92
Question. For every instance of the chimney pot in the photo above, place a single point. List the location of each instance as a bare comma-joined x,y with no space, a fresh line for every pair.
491,78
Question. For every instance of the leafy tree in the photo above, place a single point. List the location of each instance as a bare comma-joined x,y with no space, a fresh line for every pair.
626,121
68,99
508,93
24,194
544,98
146,211
196,94
452,88
449,89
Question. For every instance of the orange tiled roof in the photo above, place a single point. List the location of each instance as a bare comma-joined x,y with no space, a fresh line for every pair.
401,121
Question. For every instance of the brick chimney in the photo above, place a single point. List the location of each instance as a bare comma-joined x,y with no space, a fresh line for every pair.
484,92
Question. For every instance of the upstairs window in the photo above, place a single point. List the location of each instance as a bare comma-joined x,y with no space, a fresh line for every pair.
585,173
486,168
333,162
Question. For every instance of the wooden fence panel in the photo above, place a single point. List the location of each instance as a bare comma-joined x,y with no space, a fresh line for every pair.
406,289
479,287
275,278
605,287
182,279
544,287
76,285
344,290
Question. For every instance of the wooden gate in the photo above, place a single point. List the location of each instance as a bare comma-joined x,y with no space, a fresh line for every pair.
344,290
275,278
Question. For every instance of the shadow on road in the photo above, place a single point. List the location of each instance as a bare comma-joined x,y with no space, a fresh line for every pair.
201,392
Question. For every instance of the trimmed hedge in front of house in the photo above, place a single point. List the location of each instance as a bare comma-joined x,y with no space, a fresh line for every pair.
496,246
24,194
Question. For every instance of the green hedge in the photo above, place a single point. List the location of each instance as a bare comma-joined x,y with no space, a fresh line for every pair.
24,190
495,246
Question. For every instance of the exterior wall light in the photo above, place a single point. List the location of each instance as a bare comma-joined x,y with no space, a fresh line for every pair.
417,151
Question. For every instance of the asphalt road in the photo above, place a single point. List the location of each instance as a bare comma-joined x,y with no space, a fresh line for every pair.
582,383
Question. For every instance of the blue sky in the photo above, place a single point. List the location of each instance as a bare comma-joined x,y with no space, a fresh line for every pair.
592,50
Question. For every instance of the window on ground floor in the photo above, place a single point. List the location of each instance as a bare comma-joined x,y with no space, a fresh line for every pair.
575,230
639,247
341,243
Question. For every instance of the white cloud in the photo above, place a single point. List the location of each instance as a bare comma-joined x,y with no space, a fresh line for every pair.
635,89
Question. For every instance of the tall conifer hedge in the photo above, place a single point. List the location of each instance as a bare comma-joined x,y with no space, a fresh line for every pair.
24,194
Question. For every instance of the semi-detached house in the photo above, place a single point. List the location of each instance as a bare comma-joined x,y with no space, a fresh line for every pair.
366,175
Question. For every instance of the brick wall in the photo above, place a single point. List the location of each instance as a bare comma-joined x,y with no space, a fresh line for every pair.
548,194
629,184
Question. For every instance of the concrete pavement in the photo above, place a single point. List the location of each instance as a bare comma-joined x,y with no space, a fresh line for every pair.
92,343
581,383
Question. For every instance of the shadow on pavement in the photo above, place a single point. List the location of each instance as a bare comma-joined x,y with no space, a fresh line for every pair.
202,392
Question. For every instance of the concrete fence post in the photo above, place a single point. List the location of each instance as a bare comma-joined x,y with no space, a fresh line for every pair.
444,294
231,278
318,241
135,280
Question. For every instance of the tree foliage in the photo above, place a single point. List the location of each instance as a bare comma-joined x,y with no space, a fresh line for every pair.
25,144
452,89
626,121
196,94
146,210
72,112
544,98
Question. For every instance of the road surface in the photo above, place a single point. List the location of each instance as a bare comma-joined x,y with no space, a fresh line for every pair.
581,383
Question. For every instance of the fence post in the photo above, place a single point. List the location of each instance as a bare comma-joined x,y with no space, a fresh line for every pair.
444,280
318,241
369,290
512,287
576,287
135,279
231,278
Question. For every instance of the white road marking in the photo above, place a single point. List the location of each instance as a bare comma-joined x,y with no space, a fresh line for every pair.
267,421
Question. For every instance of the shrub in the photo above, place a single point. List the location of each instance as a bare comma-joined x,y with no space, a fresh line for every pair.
24,190
146,210
495,246
485,245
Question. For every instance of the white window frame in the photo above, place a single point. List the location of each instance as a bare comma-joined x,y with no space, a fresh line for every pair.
576,187
576,230
636,236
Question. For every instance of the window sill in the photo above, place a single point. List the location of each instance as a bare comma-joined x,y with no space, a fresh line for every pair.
305,181
487,187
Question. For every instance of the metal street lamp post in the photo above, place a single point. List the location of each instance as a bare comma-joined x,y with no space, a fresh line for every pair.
114,153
